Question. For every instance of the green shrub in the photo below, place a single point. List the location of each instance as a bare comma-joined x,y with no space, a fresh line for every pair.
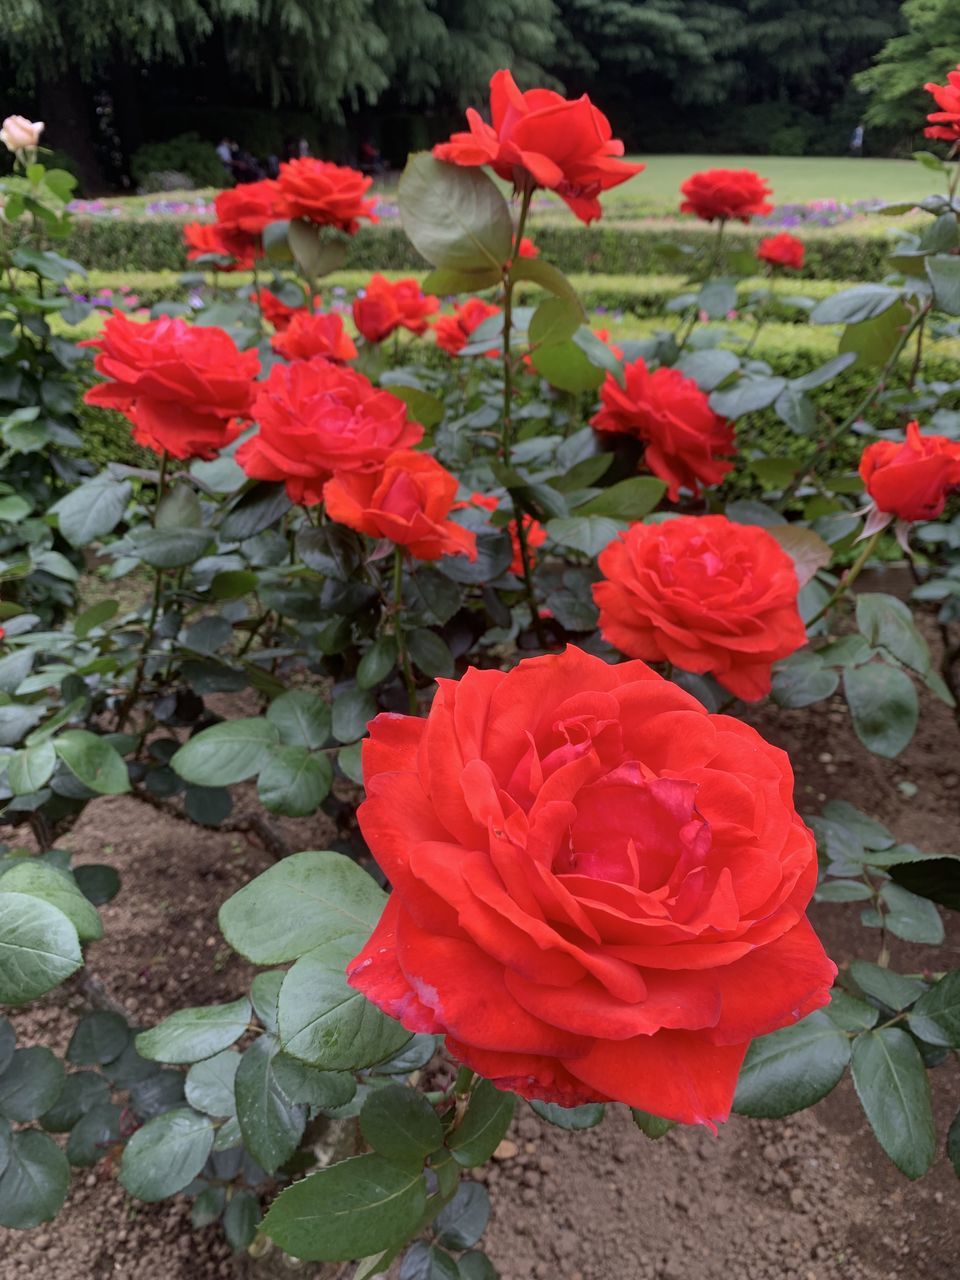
187,153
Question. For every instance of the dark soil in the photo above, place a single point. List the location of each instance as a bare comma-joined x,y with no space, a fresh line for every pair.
811,1198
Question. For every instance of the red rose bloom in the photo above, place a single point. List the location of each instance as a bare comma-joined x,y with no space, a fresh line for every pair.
314,333
330,195
182,386
567,147
276,312
527,249
726,193
686,441
316,418
385,307
242,214
453,332
408,502
703,593
598,887
536,537
783,250
202,238
911,480
945,123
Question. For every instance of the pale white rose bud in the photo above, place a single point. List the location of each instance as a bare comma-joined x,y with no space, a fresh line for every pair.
19,133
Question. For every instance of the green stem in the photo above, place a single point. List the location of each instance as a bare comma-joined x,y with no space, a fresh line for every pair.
848,579
715,259
403,657
463,1081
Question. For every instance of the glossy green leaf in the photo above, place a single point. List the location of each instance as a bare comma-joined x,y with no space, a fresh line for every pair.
302,719
883,704
791,1069
583,1117
271,1125
31,1084
93,761
190,1035
895,990
910,917
39,947
936,1015
99,1038
241,1218
294,781
484,1125
33,1186
39,880
402,1125
627,500
462,1222
454,216
226,753
209,1085
892,1085
166,1154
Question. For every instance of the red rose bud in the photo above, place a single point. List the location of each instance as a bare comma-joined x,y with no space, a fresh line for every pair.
687,444
566,147
314,333
386,307
316,418
598,887
911,480
183,387
453,332
726,193
705,594
945,123
783,250
331,195
242,214
407,502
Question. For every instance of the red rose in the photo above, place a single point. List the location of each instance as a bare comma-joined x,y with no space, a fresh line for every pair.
182,386
726,193
386,307
242,214
945,123
542,139
783,250
407,502
536,537
598,887
686,441
705,594
527,249
316,418
330,195
453,332
276,312
203,238
911,480
314,333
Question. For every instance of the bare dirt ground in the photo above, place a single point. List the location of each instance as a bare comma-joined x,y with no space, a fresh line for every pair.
811,1198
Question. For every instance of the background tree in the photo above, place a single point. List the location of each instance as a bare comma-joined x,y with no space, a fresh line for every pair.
928,49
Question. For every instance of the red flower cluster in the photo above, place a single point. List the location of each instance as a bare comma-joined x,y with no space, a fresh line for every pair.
687,443
317,418
408,502
183,387
598,887
314,333
726,193
911,480
386,307
945,123
453,332
540,139
703,593
331,195
783,250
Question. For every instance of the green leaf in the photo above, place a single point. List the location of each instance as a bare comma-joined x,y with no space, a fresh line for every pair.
589,534
98,1038
555,320
708,368
475,1265
39,880
241,1219
34,1184
377,663
326,1022
209,1084
454,216
944,274
190,1035
402,1125
850,1014
14,669
39,947
315,251
747,395
302,718
328,1090
799,413
449,282
306,899
92,510
95,617
887,623
207,1207
539,271
653,1126
935,878
892,1085
463,1221
910,917
843,891
627,500
294,781
791,1069
31,1084
258,509
717,298
264,994
353,709
81,1091
883,704
271,1125
484,1124
953,1144
93,761
166,1154
802,679
179,508
226,753
424,1261
849,306
936,1015
895,990
565,366
169,548
94,1134
584,1117
8,1041
430,653
873,341
348,1210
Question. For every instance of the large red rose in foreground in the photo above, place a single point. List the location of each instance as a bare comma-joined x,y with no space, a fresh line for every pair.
327,194
567,147
314,333
703,593
945,123
726,193
316,418
598,887
911,480
686,441
182,386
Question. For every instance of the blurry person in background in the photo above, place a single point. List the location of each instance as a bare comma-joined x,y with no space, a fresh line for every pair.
856,141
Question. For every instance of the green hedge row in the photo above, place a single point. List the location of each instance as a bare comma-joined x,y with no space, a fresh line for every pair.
120,244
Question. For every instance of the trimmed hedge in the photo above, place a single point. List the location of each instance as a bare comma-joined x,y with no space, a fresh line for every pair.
155,244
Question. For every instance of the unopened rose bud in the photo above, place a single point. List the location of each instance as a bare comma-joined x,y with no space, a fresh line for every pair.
19,133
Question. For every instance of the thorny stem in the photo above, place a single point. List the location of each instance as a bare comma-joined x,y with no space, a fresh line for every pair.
848,579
